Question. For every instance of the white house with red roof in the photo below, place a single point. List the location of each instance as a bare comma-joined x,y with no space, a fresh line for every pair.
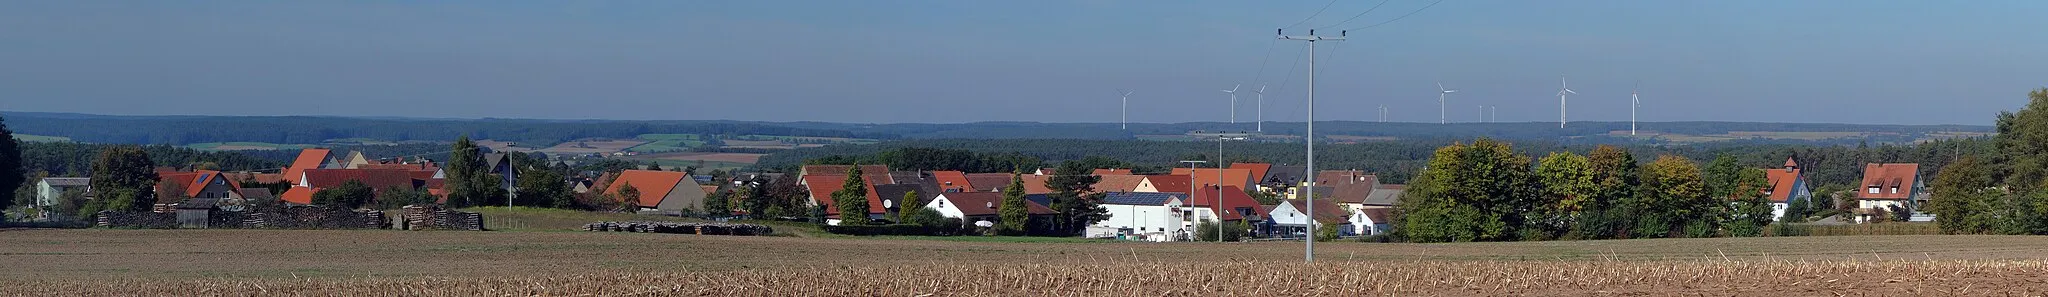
971,207
1785,185
1889,184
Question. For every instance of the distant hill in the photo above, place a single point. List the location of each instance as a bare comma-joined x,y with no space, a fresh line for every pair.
184,130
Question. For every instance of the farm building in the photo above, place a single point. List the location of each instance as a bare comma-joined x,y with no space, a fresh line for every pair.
662,191
1290,219
1371,220
1140,216
981,206
51,188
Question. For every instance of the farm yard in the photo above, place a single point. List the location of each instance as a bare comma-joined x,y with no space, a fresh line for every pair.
270,262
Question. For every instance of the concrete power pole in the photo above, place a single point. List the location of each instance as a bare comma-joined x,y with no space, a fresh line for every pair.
1309,249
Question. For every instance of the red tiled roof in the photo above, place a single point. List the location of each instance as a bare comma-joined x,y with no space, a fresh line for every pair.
308,159
977,204
1347,186
1118,183
953,180
653,185
1210,176
1886,176
1169,183
1326,212
996,182
298,195
1781,182
822,186
1233,198
878,174
395,166
1113,171
1258,170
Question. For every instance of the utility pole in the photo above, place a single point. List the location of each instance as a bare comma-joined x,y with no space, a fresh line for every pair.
1216,207
1309,249
1191,192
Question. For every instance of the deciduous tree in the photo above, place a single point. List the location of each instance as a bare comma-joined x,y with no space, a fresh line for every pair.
124,179
852,199
351,194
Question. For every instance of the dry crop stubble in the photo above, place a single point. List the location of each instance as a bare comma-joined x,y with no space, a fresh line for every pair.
1137,278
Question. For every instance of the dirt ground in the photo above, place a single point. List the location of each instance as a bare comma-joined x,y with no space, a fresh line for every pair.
269,262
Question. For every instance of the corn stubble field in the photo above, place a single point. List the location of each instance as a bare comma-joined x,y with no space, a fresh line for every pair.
268,263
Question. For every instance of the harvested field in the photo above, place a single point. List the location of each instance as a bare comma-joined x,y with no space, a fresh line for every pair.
589,146
714,157
291,262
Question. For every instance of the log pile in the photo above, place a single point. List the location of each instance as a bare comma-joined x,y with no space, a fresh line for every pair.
712,228
143,220
432,217
280,218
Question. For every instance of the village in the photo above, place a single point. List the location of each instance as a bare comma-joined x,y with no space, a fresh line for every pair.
1264,200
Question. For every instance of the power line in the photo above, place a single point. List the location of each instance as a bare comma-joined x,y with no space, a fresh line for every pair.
1354,17
1312,16
1418,10
1262,61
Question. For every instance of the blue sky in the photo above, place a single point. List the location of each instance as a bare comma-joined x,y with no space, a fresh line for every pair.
1898,62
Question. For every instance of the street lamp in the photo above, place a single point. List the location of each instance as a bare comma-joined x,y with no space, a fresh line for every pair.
1216,207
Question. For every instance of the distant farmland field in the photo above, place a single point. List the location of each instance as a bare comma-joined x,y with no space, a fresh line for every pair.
40,138
307,262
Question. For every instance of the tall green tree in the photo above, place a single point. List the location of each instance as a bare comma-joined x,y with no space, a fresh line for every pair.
1568,186
909,205
1966,199
1609,213
1477,192
1014,213
628,197
351,194
1674,196
539,186
852,199
1723,175
1071,184
720,204
2022,142
469,182
11,170
124,179
1749,212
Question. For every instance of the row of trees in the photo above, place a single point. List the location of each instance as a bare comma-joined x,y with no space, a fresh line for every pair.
1485,191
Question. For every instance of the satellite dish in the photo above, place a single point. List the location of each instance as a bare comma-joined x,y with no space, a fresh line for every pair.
888,204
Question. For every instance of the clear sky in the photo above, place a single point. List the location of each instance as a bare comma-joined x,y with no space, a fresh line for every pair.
1903,62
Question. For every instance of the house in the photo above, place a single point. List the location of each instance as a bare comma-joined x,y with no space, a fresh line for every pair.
311,181
981,206
664,191
1256,173
1140,216
1372,221
354,160
1239,178
1384,195
1889,184
1234,204
1113,171
502,167
196,184
822,186
871,173
1118,183
892,197
1165,184
1290,218
50,189
1785,185
311,158
952,181
1282,177
996,182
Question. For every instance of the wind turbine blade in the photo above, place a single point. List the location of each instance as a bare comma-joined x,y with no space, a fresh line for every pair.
1570,91
1440,86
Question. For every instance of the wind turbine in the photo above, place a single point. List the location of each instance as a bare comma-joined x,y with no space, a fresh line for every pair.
1383,113
1127,110
1633,103
1262,109
1563,88
1233,102
1482,113
1441,115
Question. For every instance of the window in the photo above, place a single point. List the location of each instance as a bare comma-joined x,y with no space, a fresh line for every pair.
1873,190
1895,190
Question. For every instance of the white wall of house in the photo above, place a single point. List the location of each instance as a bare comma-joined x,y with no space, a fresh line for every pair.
1154,222
1778,210
1879,204
1362,225
1286,215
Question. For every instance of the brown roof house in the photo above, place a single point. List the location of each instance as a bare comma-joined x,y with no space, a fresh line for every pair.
1889,184
660,191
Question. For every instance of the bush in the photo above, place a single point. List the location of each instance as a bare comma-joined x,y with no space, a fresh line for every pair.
1207,231
1325,233
1700,229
